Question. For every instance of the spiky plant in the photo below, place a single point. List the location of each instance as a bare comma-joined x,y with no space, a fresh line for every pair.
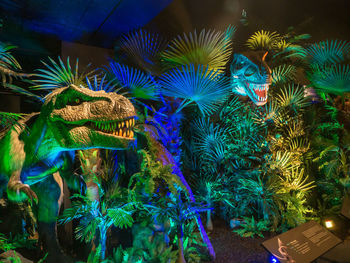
139,84
210,48
196,84
8,119
58,75
263,40
143,49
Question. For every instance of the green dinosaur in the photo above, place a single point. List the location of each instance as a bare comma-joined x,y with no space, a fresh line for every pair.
40,149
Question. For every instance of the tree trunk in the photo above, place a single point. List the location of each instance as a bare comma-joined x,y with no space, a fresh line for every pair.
103,240
181,258
209,225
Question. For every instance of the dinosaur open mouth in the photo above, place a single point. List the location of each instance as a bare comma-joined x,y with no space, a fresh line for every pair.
259,91
120,128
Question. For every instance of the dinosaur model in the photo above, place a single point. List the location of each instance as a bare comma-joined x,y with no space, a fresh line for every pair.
251,76
37,152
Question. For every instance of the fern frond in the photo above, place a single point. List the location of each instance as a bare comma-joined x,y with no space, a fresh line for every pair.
209,48
8,119
206,88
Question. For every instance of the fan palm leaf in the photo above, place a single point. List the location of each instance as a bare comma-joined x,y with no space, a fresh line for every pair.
58,75
263,40
143,49
139,84
328,52
209,48
333,79
206,88
100,84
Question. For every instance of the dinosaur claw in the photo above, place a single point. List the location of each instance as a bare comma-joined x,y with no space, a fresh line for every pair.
24,188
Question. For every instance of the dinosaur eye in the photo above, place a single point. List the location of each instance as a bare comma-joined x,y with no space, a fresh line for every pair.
250,71
77,101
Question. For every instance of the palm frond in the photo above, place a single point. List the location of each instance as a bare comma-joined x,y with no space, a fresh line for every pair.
293,51
209,48
8,119
143,48
263,40
296,181
58,75
25,92
101,84
198,85
292,96
333,79
283,74
209,140
139,84
328,52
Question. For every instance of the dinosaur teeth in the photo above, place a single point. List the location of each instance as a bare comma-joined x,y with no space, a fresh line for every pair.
131,134
127,124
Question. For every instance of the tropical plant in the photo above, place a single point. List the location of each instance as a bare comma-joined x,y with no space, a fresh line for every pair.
143,49
58,75
263,40
137,83
9,66
209,48
328,52
196,84
250,227
94,215
180,212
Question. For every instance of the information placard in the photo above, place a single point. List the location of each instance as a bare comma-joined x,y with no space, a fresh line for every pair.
345,208
302,244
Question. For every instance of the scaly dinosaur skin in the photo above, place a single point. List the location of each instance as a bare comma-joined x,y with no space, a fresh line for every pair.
251,76
33,159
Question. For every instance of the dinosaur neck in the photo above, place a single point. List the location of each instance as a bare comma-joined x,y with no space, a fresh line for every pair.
40,141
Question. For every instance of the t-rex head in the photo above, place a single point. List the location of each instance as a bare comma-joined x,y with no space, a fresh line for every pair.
81,118
251,76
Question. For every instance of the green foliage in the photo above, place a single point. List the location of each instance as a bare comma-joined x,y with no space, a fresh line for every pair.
250,228
153,174
209,48
283,74
8,63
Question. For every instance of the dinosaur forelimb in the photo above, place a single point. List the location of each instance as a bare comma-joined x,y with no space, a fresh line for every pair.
18,191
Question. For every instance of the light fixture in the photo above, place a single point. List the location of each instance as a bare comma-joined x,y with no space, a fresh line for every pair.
329,223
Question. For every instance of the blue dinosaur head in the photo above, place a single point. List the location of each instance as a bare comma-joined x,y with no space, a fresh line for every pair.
251,76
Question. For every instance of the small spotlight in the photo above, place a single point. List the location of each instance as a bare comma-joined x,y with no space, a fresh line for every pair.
329,223
273,259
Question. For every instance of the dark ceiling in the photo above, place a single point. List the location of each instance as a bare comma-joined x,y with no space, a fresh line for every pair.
97,22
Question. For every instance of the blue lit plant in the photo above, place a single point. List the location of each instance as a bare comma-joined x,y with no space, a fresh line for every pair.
97,217
180,212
